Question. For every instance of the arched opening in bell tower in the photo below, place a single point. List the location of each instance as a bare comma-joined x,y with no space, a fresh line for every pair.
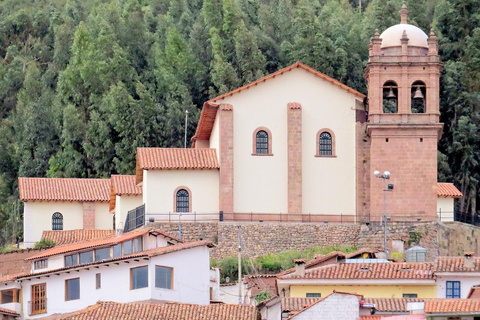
390,97
418,97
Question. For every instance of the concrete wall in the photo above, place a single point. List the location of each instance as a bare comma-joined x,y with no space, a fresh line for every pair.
260,182
160,185
103,217
337,306
190,284
445,208
123,204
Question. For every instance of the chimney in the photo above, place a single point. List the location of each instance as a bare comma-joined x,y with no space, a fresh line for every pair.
299,267
468,260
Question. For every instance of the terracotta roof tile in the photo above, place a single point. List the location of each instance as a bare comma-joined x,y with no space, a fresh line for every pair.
146,254
259,283
474,292
88,244
297,304
420,271
209,111
9,312
169,311
452,305
61,237
391,304
318,261
455,264
176,158
11,277
448,190
64,189
371,252
125,185
13,262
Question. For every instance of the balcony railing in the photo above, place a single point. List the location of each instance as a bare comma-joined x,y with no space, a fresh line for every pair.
135,218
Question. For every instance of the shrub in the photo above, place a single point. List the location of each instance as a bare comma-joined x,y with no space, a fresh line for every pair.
44,243
262,296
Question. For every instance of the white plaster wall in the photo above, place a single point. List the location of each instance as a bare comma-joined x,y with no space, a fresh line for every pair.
229,294
336,306
467,281
191,283
272,313
445,208
123,204
38,217
260,182
160,185
103,217
16,306
215,137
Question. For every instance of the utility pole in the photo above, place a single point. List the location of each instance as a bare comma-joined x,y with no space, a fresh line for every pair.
385,230
186,124
239,264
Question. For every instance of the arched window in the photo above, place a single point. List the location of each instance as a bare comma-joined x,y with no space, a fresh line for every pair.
325,143
57,221
390,97
182,200
262,142
418,95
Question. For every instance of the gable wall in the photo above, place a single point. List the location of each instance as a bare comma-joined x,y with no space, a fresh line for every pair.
261,182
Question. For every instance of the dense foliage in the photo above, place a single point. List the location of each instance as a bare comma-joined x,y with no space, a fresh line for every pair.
85,82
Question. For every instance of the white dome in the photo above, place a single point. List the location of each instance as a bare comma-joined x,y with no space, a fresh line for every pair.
416,37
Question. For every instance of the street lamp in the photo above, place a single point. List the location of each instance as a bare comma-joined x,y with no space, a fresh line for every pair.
385,176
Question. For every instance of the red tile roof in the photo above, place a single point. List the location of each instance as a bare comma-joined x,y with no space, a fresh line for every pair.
455,264
297,304
174,159
100,242
13,262
391,304
209,111
441,306
319,260
125,185
170,311
370,252
9,312
448,190
390,271
143,254
61,237
474,292
259,283
64,189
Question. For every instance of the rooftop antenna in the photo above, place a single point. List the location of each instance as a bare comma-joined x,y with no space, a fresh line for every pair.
186,123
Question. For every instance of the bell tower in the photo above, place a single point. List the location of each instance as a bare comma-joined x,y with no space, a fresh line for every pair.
403,74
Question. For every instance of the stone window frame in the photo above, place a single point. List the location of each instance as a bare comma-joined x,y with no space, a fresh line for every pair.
416,83
334,151
175,198
254,143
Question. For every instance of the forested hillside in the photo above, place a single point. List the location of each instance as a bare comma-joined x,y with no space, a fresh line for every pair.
83,83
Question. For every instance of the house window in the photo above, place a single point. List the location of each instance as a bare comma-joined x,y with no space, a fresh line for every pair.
39,298
40,264
139,277
102,254
86,257
71,260
127,247
138,244
72,289
9,296
314,295
57,221
182,201
163,277
410,295
117,250
98,281
262,142
325,143
453,289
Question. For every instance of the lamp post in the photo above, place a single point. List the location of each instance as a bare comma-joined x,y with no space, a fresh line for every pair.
385,176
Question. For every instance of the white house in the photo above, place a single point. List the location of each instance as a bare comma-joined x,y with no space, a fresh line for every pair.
63,204
446,193
145,264
125,195
456,276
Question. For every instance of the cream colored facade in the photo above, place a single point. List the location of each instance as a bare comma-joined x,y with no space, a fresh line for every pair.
445,208
38,217
260,182
160,186
123,204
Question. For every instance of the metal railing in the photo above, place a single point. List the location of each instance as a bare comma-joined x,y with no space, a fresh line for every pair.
469,218
135,219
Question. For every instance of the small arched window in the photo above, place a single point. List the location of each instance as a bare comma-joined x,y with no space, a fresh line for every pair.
182,201
57,221
325,143
418,94
262,142
390,97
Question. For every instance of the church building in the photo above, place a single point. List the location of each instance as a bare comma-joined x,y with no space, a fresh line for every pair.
295,145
